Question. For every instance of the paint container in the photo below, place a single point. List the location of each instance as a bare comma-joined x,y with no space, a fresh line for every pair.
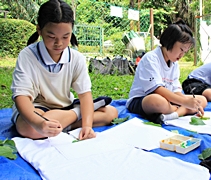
180,144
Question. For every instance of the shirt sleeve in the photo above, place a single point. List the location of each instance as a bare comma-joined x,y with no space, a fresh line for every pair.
23,83
81,81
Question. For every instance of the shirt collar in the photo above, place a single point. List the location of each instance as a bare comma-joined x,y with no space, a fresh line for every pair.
47,58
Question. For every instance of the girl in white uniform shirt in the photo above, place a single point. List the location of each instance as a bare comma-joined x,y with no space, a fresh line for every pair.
200,81
44,74
156,91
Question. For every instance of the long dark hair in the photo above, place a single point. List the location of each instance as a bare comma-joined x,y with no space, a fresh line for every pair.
55,11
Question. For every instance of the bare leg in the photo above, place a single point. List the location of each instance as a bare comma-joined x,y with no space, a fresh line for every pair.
207,93
155,103
65,117
102,117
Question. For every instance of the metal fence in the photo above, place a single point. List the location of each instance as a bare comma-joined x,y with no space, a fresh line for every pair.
203,39
103,34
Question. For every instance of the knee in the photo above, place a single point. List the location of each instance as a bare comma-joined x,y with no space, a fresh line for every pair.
155,101
25,130
111,113
114,112
207,94
203,100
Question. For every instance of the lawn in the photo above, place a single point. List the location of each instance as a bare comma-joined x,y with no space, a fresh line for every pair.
116,87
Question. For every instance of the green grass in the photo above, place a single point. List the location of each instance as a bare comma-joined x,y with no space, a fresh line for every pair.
117,87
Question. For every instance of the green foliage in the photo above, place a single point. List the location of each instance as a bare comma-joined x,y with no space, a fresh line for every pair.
87,49
206,153
207,7
196,121
14,35
117,87
25,10
8,149
152,124
189,56
97,13
119,120
119,46
162,11
5,83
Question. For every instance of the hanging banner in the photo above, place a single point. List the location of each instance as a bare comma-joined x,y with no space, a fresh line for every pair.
116,11
133,14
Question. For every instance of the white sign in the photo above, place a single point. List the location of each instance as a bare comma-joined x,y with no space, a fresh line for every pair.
116,11
133,14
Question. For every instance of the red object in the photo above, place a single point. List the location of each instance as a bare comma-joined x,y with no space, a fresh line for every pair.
137,60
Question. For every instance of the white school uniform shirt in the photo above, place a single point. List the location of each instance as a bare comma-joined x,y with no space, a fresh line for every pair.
202,73
153,72
50,89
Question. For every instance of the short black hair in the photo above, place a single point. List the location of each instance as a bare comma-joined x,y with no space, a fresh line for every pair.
55,11
178,31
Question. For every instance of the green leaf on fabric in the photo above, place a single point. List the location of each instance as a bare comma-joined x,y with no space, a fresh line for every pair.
74,141
196,121
204,118
205,154
8,149
175,131
119,120
153,124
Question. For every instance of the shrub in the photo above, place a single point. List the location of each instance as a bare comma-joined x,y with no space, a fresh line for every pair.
119,46
88,49
14,34
189,56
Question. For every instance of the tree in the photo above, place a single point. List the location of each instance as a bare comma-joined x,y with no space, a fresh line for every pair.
162,13
26,10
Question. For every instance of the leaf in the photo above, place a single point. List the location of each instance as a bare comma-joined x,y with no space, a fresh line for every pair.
153,124
11,144
205,154
7,149
119,120
196,121
204,118
7,152
74,141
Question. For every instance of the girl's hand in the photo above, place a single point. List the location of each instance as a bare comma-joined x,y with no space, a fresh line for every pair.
193,104
86,133
200,112
48,128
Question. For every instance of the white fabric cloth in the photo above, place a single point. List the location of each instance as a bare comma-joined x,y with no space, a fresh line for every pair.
152,72
136,134
202,73
184,122
105,157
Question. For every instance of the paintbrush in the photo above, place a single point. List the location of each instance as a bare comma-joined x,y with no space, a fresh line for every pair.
41,116
45,119
74,136
192,89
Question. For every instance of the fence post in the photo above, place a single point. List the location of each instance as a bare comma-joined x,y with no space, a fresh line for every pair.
196,39
152,28
5,13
